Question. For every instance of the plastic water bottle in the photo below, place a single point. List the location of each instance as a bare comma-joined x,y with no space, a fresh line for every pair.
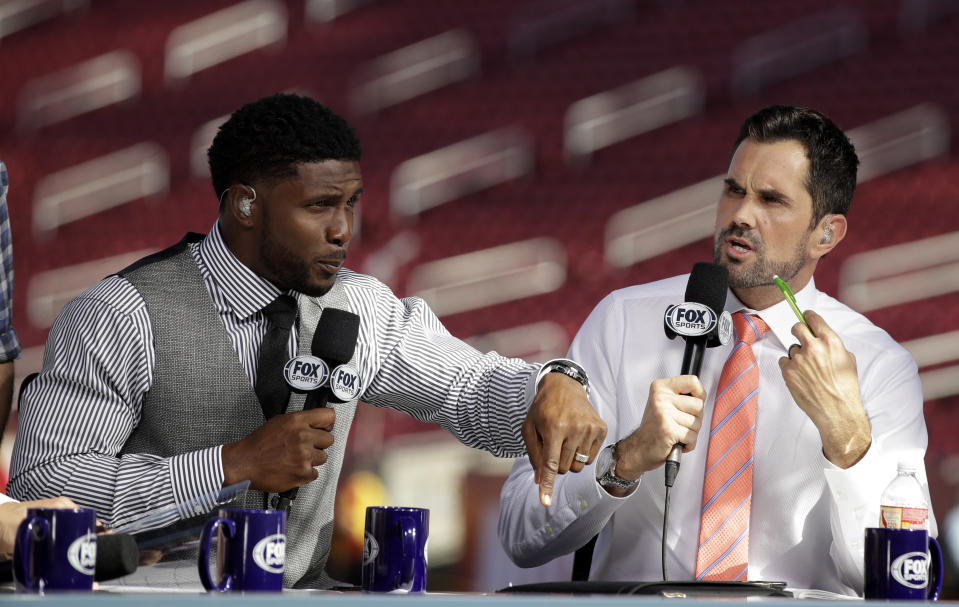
903,503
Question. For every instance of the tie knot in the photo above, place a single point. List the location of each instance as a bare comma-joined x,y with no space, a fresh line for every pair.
281,312
749,327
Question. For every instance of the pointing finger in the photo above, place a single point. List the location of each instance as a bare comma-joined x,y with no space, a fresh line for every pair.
547,471
533,450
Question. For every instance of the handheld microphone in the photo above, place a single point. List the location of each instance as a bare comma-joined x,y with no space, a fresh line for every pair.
117,556
701,321
334,341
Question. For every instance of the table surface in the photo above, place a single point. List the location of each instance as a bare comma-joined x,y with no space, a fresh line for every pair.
147,598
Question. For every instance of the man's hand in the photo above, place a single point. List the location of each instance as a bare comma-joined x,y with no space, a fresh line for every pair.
281,454
673,414
11,513
560,423
821,376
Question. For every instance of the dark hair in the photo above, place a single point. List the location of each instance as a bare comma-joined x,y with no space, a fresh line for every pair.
269,137
832,157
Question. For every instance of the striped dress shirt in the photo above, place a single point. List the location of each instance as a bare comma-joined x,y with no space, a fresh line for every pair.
99,360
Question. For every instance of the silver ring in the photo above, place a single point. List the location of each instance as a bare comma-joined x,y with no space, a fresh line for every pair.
581,457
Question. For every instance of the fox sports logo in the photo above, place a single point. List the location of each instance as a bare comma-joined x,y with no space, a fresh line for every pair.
911,569
270,553
82,554
691,319
371,549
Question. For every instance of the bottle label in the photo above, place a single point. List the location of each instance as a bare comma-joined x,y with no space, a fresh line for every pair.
897,517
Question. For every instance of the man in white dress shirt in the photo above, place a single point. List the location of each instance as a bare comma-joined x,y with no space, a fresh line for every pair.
839,402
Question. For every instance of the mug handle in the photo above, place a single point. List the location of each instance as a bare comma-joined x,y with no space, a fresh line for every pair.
408,530
934,586
31,529
203,560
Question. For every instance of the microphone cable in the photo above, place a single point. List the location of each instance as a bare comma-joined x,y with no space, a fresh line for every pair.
665,527
672,468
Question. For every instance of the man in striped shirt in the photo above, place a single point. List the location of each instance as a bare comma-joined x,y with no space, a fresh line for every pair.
141,403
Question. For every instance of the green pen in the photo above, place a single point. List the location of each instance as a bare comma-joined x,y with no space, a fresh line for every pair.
788,294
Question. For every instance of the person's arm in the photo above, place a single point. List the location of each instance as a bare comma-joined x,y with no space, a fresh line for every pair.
12,512
418,368
560,425
532,535
869,420
484,400
6,393
80,411
281,454
9,344
821,376
892,395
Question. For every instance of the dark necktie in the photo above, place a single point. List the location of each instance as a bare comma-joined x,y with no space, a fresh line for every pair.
271,388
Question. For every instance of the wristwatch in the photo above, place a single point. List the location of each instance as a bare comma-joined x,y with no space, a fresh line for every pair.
566,367
606,470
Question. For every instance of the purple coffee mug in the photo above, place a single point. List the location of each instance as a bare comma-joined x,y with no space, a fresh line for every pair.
55,549
252,550
901,564
394,549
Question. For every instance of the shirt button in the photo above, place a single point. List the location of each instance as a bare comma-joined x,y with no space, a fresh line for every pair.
583,504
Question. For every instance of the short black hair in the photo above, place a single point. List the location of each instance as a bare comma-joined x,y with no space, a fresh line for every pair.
269,137
832,158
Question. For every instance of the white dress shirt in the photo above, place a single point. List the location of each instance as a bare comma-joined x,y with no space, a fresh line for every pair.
808,516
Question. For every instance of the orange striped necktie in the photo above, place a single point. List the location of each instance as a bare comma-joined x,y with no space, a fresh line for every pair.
728,482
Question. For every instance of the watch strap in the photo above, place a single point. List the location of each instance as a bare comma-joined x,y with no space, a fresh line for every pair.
566,367
608,477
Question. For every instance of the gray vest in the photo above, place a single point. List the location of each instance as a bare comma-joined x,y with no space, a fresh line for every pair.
201,397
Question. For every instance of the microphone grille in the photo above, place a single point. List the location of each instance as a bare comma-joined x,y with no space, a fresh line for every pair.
335,336
707,285
117,556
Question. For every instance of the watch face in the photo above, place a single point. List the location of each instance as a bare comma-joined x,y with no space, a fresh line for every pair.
603,461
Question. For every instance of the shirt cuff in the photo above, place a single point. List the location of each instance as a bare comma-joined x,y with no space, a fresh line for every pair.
587,503
197,478
585,494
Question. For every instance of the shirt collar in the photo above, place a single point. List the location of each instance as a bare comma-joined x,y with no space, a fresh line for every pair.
243,289
779,317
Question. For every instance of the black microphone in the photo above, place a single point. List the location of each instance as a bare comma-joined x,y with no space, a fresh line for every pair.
700,320
117,556
334,341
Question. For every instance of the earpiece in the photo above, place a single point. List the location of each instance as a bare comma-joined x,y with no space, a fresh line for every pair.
826,235
826,232
244,203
